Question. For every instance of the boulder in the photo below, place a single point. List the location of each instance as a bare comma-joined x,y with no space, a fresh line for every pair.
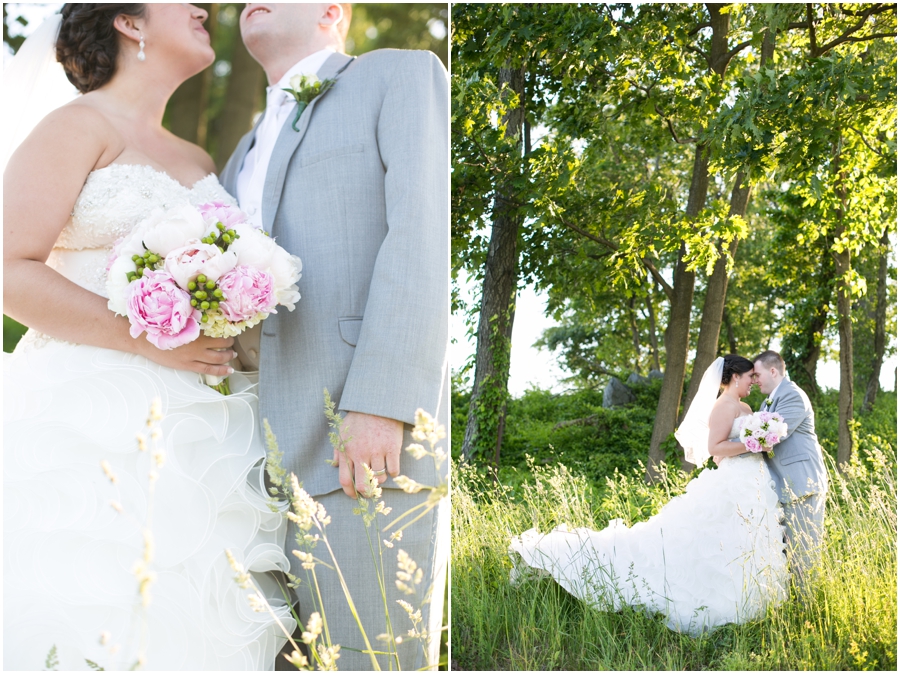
616,393
655,374
634,379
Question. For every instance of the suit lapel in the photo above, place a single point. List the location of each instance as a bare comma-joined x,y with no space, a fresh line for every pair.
289,140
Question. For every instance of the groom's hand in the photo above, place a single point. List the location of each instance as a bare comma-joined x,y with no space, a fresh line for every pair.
371,440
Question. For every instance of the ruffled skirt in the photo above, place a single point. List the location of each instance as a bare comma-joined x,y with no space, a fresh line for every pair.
711,556
74,540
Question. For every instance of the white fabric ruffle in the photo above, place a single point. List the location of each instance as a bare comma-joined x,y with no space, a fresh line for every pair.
69,555
711,556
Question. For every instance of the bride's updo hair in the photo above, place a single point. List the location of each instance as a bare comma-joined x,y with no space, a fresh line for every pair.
88,43
734,365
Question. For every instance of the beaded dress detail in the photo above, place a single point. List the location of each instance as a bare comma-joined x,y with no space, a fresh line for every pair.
711,556
69,555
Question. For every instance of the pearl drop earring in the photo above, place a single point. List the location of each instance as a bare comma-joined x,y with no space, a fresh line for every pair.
141,55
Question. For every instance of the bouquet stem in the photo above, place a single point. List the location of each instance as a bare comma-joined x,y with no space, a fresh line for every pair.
220,384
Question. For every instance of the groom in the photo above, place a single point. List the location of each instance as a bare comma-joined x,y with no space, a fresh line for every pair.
360,192
795,463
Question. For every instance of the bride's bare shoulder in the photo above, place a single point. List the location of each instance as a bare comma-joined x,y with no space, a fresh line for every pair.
725,407
77,129
745,408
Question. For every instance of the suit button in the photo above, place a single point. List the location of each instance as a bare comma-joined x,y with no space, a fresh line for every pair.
253,353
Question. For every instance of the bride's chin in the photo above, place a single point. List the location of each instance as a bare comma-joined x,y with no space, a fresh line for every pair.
200,61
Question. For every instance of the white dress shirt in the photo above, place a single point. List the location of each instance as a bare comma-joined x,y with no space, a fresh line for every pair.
251,178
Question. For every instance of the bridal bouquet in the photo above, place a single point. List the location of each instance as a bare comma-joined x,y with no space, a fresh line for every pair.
198,268
761,431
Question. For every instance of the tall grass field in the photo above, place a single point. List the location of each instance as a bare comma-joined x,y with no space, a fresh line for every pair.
846,621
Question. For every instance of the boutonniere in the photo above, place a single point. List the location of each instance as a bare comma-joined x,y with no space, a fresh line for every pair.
768,402
304,89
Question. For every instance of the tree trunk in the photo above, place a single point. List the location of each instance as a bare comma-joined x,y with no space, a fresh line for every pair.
654,343
732,340
714,304
802,349
188,109
635,334
880,317
842,267
717,286
243,97
678,331
487,406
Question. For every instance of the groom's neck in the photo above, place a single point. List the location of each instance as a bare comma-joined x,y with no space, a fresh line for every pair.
278,62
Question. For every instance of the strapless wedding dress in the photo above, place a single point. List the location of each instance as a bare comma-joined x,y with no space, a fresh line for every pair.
68,555
711,556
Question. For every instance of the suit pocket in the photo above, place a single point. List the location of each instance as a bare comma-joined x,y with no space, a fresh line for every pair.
350,327
330,154
793,458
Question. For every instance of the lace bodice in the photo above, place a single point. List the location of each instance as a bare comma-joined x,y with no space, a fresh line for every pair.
114,200
736,427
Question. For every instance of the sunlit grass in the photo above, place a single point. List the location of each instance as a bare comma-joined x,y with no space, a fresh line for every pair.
848,620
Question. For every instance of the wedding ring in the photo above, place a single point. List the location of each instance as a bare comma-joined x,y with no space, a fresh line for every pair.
378,473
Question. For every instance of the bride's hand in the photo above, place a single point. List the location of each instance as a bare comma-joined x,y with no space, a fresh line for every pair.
203,355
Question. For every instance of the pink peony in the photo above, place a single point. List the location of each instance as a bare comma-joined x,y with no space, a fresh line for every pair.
186,263
765,417
772,439
247,293
218,211
158,306
753,445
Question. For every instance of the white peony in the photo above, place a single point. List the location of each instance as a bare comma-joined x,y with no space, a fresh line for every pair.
184,264
255,249
177,226
117,283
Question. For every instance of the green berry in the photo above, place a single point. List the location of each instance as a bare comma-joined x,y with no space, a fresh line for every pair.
210,285
204,305
200,295
201,279
192,286
135,258
217,293
220,227
193,302
204,318
213,305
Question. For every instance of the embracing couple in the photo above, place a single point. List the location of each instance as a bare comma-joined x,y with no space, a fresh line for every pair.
355,184
725,550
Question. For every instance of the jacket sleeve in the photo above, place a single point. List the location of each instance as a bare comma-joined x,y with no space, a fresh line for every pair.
794,408
400,356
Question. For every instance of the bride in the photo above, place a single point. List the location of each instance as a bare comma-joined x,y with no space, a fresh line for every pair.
78,387
711,556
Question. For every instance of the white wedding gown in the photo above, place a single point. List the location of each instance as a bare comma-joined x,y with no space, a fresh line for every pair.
68,555
711,556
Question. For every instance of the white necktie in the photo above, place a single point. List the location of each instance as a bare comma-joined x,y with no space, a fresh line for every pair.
266,135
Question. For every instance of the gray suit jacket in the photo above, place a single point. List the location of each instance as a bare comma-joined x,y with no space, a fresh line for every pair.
361,195
796,462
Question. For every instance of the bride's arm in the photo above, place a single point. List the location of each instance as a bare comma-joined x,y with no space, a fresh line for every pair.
720,422
40,185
